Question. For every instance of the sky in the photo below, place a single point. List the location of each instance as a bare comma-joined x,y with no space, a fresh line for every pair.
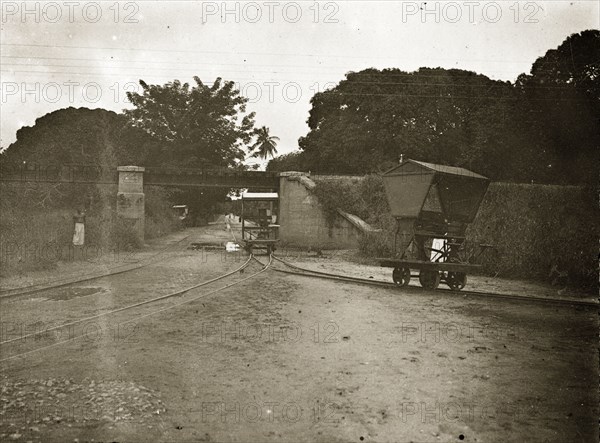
88,54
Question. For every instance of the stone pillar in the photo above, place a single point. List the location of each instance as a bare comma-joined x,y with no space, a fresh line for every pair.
292,195
130,196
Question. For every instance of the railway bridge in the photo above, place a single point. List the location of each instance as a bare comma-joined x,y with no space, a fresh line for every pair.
95,174
131,179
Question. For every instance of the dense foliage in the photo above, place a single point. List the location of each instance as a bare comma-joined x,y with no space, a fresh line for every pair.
543,128
36,216
559,110
173,125
364,197
36,224
536,228
539,227
80,136
197,126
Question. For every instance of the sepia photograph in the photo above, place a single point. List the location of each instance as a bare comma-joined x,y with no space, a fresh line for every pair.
300,221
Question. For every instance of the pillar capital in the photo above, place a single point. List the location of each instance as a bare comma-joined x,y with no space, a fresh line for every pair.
131,179
293,174
131,169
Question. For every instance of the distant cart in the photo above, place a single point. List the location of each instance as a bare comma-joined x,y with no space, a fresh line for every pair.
433,205
182,212
260,213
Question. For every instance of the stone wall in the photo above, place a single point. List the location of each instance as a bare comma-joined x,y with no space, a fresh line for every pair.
302,221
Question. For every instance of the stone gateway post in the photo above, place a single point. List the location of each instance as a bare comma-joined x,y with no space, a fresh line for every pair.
130,196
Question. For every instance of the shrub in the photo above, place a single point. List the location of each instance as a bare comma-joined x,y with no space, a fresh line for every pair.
160,219
376,244
36,223
339,193
536,228
124,235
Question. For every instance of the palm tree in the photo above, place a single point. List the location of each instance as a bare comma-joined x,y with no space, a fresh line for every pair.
265,145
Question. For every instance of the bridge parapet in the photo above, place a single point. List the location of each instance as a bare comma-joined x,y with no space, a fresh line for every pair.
222,178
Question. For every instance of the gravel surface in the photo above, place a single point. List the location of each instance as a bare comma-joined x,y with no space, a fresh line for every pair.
31,406
288,358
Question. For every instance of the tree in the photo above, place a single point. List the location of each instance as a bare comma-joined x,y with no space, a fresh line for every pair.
294,161
560,105
198,126
265,145
372,117
76,142
544,128
78,136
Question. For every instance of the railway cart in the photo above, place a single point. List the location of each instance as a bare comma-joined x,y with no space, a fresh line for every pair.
433,205
259,220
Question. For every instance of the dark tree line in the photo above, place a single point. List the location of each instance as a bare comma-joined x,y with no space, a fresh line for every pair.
171,126
543,128
77,136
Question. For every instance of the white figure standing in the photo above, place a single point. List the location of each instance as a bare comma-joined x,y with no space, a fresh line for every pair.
79,234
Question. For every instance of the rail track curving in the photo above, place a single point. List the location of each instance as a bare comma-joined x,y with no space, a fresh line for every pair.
68,281
132,317
296,270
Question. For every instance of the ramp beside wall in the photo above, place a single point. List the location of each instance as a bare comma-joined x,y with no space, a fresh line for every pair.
303,222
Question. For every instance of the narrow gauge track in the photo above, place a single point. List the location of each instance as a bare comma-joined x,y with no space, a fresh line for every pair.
131,318
68,281
296,270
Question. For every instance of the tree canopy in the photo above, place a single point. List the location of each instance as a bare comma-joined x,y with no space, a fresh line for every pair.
197,126
72,138
372,117
559,106
542,128
79,136
171,125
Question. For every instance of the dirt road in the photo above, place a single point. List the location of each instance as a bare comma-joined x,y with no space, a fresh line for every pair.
289,358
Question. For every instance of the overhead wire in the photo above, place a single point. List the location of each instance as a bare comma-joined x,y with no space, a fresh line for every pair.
348,81
370,56
221,52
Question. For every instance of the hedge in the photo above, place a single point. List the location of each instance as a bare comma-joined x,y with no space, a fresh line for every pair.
536,228
36,224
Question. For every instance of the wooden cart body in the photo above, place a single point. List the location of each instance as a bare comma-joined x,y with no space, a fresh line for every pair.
433,205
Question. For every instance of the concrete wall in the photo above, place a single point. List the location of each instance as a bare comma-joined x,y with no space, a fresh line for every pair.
302,222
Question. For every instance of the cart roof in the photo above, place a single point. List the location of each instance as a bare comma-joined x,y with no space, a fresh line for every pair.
442,169
416,188
260,196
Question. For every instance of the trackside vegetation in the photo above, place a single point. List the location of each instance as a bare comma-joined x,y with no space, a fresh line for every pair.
540,231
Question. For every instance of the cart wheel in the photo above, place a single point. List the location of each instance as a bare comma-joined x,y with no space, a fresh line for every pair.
429,279
456,280
401,276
